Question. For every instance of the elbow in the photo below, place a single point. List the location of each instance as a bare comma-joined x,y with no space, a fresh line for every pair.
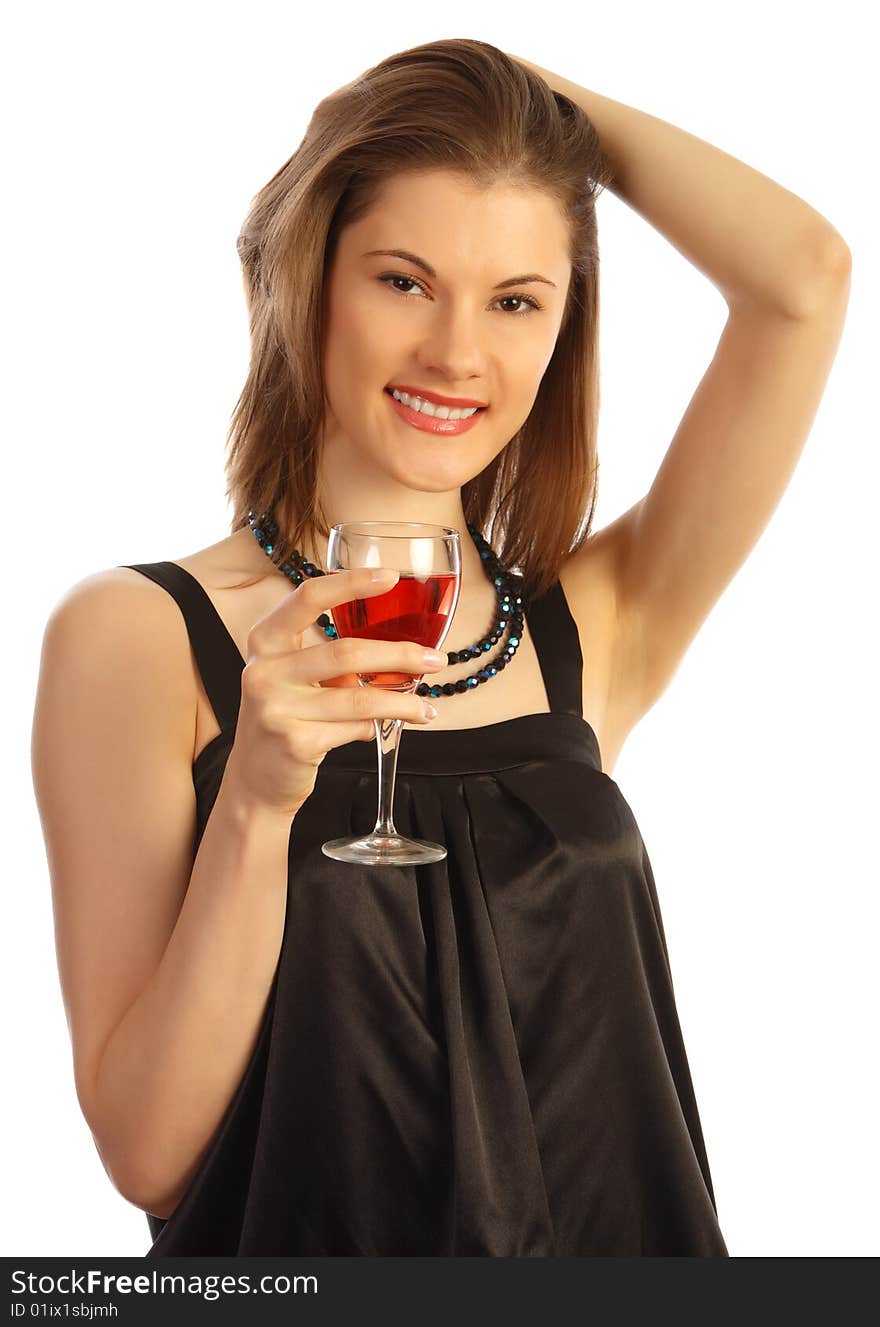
136,1181
142,1191
131,1169
827,278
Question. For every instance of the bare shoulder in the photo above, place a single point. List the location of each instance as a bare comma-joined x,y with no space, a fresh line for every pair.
118,618
592,573
592,581
118,594
120,604
118,625
135,603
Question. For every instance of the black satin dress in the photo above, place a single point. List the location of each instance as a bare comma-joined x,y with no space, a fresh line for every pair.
476,1057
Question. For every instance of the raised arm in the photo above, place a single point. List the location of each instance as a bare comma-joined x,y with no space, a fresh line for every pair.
784,272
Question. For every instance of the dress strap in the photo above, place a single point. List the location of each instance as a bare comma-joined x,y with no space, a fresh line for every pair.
217,656
558,647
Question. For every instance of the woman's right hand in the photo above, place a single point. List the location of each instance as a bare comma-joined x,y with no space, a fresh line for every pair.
298,703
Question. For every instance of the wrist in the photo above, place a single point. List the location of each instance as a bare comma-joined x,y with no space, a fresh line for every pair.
246,809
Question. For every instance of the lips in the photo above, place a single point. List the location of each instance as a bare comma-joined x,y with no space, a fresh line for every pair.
431,423
454,402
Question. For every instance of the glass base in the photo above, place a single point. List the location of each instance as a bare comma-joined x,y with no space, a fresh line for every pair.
383,850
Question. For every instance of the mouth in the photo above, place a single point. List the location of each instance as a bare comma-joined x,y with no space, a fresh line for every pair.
427,422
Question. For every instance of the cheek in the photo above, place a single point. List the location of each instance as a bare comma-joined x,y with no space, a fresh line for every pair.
342,365
526,359
351,379
531,376
358,346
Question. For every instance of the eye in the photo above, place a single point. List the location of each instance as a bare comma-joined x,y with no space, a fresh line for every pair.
520,299
407,279
531,304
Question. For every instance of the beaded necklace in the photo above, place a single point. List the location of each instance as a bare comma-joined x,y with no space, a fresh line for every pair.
508,588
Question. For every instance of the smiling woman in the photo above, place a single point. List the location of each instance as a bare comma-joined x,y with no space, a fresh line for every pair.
448,321
278,1053
453,331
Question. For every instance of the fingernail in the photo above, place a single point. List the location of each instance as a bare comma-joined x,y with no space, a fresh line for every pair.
384,575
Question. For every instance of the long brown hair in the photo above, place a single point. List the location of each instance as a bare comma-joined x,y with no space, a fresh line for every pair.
460,105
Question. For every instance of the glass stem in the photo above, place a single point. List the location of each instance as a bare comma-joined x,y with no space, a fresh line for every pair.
388,742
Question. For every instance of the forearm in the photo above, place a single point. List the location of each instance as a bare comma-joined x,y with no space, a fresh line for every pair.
172,1065
758,243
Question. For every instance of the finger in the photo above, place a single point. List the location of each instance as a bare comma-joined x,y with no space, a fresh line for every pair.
339,704
281,629
338,662
340,734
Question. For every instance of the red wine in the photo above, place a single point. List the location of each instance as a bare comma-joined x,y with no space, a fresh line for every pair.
413,609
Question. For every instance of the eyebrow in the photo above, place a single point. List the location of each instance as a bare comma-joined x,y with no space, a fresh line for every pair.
428,269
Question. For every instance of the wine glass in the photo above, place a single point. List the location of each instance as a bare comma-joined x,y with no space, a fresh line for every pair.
419,607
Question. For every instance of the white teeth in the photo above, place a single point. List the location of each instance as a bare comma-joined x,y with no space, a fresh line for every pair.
429,408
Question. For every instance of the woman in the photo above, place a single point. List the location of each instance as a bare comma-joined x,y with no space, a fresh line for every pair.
278,1054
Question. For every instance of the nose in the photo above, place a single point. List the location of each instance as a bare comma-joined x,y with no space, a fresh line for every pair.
450,347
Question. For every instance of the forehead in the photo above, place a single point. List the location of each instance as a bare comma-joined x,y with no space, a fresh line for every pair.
455,224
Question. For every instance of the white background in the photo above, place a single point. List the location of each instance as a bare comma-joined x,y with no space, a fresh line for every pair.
135,139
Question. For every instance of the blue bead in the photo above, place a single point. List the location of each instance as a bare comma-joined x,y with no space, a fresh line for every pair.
471,683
